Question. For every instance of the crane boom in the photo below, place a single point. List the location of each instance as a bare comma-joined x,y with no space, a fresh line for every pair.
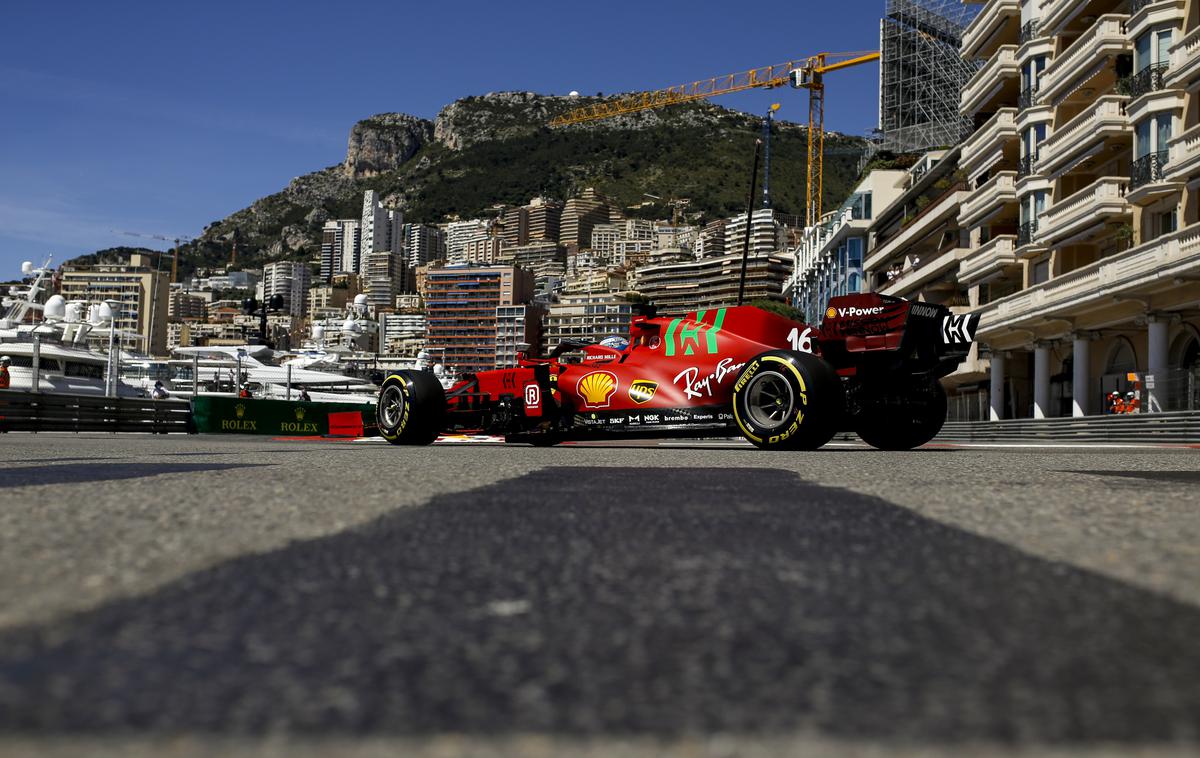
804,73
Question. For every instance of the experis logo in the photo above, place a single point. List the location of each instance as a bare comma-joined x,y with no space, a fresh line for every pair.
853,312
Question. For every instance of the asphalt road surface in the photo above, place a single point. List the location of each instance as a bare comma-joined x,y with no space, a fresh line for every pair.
209,595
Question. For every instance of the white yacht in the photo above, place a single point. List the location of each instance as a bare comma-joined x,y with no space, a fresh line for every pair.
53,354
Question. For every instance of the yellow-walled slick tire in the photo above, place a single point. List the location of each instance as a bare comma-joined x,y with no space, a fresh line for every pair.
411,408
786,400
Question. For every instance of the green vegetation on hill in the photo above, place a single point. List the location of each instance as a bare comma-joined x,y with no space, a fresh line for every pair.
506,156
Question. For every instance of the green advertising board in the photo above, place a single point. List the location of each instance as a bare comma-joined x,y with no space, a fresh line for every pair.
235,415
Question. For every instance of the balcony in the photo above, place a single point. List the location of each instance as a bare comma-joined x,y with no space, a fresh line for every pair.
1147,14
1185,59
1027,165
995,25
1150,79
918,228
996,255
1027,98
1085,135
1087,61
988,199
924,272
1154,265
1026,233
1000,73
1029,32
1184,161
986,145
1148,178
1077,217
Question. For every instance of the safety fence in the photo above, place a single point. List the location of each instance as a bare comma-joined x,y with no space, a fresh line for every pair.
1180,427
45,412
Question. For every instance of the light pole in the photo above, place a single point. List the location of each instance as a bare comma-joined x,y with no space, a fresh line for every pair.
114,360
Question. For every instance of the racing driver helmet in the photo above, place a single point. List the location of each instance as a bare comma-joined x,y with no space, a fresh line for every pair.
615,342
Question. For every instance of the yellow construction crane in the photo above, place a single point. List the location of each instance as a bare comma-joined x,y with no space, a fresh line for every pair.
805,73
174,253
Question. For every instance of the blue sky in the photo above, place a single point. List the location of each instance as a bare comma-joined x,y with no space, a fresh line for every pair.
164,117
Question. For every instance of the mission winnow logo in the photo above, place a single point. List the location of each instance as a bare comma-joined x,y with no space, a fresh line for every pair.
852,312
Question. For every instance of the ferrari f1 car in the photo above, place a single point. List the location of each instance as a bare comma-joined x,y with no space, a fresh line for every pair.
872,367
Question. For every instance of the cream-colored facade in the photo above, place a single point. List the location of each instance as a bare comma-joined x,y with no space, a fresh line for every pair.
1083,204
141,289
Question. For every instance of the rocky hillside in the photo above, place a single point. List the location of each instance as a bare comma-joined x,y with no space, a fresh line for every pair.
498,148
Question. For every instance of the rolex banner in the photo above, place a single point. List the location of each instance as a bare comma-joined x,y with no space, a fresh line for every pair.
234,415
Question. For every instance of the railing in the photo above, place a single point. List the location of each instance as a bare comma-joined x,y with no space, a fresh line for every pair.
1027,98
998,251
1001,65
1106,115
1026,232
1081,204
1027,165
1148,168
1001,188
1185,55
46,412
1137,5
1149,79
1029,31
1001,126
1177,427
1183,149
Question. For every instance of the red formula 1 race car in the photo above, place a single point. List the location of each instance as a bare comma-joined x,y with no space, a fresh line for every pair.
872,367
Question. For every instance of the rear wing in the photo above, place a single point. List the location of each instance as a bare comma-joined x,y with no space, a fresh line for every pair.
925,335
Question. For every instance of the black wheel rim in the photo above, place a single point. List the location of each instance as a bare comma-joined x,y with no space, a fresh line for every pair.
769,399
391,406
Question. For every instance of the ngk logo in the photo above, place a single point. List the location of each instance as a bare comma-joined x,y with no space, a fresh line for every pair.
854,312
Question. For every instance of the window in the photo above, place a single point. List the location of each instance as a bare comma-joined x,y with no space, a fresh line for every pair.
1152,48
1031,72
1152,134
1165,223
1040,272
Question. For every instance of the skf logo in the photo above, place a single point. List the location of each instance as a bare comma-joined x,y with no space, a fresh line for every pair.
830,312
642,390
853,312
240,410
597,388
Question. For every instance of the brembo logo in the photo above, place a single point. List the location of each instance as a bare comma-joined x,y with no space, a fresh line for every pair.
854,312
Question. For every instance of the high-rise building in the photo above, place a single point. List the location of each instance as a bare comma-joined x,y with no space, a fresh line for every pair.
458,234
461,305
545,260
290,279
545,219
403,333
382,229
341,248
185,307
387,276
767,235
677,288
514,224
423,244
141,290
710,242
579,215
639,236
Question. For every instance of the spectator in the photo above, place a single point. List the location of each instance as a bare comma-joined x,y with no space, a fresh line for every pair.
5,377
160,392
245,391
304,397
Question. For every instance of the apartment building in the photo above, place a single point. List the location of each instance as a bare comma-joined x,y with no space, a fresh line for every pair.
517,325
341,247
544,218
458,234
607,238
710,241
382,230
423,244
514,226
387,276
767,235
290,279
546,260
1084,260
185,307
191,334
677,288
829,258
403,333
141,290
580,216
461,305
587,318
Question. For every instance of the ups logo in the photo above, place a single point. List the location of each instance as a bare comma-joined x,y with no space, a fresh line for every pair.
642,390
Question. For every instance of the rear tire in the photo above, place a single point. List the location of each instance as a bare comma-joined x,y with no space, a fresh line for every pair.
786,400
411,408
912,422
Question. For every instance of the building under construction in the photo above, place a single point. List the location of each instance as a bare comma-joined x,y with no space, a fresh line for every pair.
922,73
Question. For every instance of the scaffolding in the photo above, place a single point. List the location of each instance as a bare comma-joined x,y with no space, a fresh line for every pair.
922,74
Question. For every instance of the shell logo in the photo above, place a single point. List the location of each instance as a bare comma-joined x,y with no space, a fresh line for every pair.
597,388
830,312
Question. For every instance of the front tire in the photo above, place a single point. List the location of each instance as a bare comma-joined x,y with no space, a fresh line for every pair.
908,421
411,408
786,400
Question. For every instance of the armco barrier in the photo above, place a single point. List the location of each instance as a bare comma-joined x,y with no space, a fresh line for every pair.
233,415
46,412
1181,427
